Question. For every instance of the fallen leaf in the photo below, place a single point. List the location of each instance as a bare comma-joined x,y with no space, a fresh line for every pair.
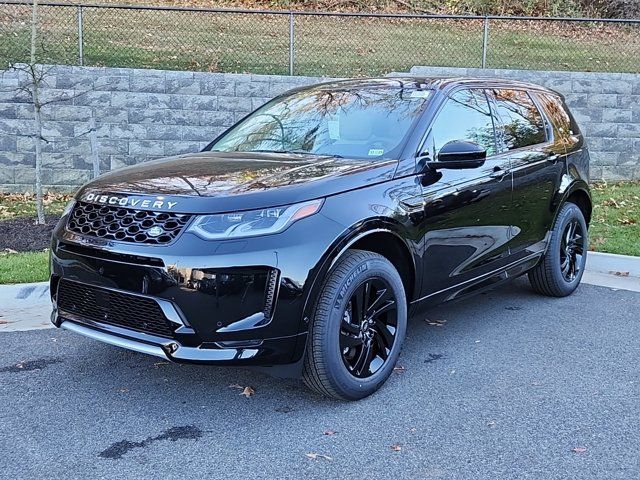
399,369
579,449
329,432
396,447
235,385
434,357
620,274
123,390
315,456
247,392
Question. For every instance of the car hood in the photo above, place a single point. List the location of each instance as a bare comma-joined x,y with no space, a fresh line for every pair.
211,182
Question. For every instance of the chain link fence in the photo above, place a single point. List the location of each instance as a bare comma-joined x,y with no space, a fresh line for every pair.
304,43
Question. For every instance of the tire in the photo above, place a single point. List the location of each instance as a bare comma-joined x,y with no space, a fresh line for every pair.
333,355
550,276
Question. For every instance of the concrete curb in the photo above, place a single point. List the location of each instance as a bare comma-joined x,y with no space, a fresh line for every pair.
612,264
24,307
23,291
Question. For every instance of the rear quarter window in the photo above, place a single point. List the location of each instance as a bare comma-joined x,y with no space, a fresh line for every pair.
561,122
522,124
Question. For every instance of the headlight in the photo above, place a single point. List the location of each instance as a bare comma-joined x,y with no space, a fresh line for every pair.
69,207
253,222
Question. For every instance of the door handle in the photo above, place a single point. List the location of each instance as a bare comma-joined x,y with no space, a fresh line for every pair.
499,173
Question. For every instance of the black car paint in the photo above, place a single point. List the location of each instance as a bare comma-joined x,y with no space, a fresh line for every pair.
458,231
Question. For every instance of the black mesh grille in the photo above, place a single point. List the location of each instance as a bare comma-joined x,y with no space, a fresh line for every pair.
125,224
115,308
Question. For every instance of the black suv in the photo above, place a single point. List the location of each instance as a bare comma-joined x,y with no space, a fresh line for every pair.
301,239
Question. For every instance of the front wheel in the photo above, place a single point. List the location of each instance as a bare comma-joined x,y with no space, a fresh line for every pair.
560,271
358,327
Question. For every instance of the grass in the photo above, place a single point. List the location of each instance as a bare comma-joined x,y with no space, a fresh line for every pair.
615,228
24,267
329,46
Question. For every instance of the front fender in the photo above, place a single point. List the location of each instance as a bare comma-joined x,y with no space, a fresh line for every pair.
352,235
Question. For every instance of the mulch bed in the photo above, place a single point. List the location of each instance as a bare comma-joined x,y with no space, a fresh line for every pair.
23,235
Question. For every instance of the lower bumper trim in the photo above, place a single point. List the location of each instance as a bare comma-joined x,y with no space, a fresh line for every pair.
114,340
169,349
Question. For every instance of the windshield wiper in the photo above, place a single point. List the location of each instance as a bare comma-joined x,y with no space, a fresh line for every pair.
296,152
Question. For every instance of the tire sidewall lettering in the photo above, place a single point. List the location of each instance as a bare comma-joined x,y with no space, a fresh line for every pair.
344,289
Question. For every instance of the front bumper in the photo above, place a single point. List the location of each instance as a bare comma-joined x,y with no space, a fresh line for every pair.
261,353
228,303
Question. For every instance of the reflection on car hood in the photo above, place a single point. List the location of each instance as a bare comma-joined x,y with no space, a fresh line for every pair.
209,182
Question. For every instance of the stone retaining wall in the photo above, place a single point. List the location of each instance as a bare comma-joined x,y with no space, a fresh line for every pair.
143,114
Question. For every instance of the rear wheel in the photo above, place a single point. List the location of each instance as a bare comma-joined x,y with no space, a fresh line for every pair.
358,328
560,271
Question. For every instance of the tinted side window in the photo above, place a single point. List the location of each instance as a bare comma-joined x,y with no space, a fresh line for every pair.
522,124
562,124
556,113
464,116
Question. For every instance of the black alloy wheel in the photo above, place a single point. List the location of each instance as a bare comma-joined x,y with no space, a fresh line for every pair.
369,327
571,250
559,272
358,327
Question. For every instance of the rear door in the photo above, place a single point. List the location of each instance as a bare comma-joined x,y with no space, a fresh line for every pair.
465,226
537,164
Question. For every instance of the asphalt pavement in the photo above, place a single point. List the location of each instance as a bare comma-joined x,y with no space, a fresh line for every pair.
503,385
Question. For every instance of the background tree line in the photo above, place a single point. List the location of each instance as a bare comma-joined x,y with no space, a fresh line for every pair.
573,8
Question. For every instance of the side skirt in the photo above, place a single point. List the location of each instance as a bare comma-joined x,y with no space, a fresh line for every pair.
480,283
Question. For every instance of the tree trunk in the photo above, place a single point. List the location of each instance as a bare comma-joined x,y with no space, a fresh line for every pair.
37,109
38,139
93,139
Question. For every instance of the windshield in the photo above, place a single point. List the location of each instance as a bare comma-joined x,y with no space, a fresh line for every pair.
352,123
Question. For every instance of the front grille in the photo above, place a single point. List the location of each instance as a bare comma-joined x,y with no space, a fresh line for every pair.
125,224
114,308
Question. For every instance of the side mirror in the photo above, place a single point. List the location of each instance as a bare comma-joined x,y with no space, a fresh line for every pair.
459,154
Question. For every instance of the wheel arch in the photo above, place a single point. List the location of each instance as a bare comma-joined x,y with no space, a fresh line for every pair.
379,236
583,200
578,193
388,244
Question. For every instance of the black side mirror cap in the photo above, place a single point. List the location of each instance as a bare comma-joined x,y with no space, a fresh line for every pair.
458,154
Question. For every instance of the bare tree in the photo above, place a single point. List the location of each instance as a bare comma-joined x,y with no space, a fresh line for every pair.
32,80
33,76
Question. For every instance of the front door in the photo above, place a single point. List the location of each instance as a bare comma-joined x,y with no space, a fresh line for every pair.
465,226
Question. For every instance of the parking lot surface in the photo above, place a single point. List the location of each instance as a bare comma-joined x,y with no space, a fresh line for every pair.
503,385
